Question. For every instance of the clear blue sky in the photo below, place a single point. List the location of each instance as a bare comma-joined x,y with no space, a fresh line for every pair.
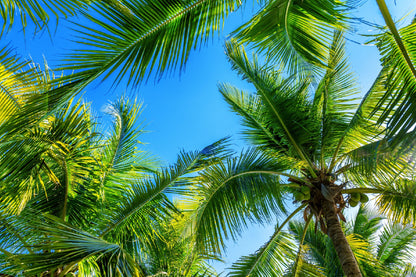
186,111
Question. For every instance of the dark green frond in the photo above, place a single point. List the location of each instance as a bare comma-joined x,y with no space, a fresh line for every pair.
146,200
284,104
395,247
121,160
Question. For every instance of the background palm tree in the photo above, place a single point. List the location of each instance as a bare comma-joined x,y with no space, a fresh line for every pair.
75,200
313,141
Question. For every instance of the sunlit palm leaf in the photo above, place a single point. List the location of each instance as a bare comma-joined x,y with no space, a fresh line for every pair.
16,79
135,38
335,98
232,193
271,259
398,51
65,246
296,33
394,249
38,12
121,160
398,200
146,200
295,127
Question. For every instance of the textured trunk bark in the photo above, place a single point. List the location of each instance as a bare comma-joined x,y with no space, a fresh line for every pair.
346,257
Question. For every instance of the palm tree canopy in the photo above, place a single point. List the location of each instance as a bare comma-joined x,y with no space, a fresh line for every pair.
315,142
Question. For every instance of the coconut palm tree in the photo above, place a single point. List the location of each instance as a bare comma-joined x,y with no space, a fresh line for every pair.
387,247
315,144
77,201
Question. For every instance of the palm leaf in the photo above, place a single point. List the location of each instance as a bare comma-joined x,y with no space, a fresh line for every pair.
395,246
398,52
231,193
120,159
135,38
333,98
296,127
146,200
65,246
37,11
16,80
270,260
294,33
398,200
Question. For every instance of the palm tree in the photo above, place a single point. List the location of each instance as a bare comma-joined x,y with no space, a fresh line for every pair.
314,142
73,200
384,247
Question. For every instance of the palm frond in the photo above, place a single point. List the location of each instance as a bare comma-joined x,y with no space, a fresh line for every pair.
366,224
378,162
294,33
146,200
16,80
38,12
398,52
296,127
231,193
333,99
64,246
271,259
395,247
134,38
398,200
120,158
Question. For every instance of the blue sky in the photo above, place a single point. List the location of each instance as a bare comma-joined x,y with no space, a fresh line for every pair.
184,110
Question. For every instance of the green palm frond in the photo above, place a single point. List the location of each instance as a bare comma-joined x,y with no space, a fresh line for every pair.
398,200
16,80
366,224
296,127
146,200
64,246
377,162
270,260
61,141
396,242
175,253
335,98
231,193
120,158
38,12
135,38
398,51
295,33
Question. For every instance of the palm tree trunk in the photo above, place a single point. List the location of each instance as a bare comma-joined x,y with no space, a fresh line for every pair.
346,257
